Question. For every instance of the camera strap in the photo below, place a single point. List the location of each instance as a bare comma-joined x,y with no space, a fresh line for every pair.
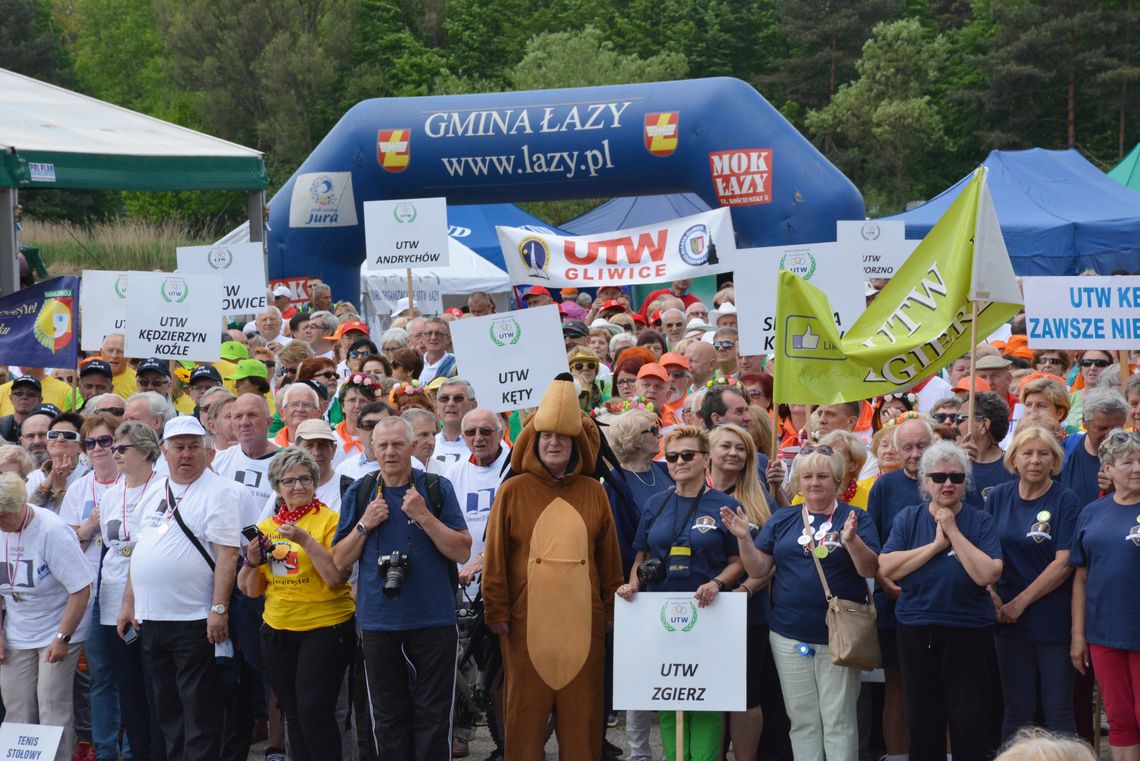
185,529
688,517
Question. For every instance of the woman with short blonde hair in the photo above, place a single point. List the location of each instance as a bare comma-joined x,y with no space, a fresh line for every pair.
15,459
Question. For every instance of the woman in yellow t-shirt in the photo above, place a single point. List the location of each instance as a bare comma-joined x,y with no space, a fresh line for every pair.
309,635
854,452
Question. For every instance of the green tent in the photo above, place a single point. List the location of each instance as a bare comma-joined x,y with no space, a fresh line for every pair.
51,137
1127,172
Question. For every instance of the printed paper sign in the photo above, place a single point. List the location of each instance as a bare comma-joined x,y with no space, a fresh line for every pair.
386,290
102,307
825,265
406,233
1082,312
882,247
174,316
242,268
670,655
322,199
34,742
742,177
701,244
510,358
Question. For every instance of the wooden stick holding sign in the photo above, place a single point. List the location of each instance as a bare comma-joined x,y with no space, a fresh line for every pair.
1122,363
680,754
411,296
973,367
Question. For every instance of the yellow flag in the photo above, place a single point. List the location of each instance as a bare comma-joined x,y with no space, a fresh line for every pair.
919,323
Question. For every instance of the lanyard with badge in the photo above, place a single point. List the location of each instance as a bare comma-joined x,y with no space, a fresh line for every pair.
679,563
172,505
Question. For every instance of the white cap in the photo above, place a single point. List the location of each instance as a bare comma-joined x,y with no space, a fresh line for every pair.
601,322
725,309
401,307
183,425
868,289
282,290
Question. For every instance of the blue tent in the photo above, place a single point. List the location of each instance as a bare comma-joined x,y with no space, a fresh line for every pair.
636,211
1060,214
474,227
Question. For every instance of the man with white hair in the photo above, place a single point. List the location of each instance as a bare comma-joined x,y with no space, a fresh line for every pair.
317,331
673,325
299,402
247,463
269,325
181,579
154,410
480,304
454,399
1104,410
438,361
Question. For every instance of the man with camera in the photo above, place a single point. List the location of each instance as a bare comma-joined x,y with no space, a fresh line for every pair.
408,542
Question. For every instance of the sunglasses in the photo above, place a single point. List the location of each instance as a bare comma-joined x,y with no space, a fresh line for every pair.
116,411
959,418
656,431
1101,363
723,344
580,366
945,417
686,455
330,375
1049,361
823,449
367,425
99,441
1121,436
357,354
941,478
473,432
289,483
65,435
283,371
121,449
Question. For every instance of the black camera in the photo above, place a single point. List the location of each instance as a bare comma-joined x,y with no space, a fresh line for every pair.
650,571
394,567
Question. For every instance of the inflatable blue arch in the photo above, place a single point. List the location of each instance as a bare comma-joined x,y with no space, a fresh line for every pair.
717,138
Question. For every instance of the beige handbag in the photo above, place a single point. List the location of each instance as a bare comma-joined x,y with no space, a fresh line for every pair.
852,631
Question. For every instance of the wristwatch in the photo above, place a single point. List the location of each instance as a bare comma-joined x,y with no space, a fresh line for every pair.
65,637
720,585
219,609
361,529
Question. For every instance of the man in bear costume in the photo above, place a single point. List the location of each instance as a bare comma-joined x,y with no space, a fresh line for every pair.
551,566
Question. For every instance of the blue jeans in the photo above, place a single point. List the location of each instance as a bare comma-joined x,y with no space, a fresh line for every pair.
104,693
1033,672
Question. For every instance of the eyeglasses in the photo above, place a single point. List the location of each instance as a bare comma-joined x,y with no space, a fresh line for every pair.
655,430
368,425
678,374
448,398
289,483
945,417
724,344
580,366
434,334
823,449
116,411
685,455
627,382
121,449
283,371
65,435
1050,361
301,406
357,354
473,432
1101,363
328,374
1118,437
99,441
940,478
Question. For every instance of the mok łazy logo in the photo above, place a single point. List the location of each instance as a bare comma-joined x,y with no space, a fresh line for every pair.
661,133
393,149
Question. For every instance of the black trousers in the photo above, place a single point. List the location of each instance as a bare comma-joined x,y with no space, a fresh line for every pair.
950,676
186,688
306,670
411,685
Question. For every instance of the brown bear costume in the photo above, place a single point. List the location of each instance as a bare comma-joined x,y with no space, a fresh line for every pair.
551,565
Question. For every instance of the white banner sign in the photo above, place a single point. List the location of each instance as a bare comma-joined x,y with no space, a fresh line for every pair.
386,290
701,244
827,266
242,267
102,307
1082,312
171,316
881,247
670,655
510,358
406,233
322,199
32,742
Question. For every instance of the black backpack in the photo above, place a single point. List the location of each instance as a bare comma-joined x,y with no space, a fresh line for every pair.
434,501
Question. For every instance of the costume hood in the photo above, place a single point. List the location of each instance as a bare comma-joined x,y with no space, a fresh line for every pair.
559,412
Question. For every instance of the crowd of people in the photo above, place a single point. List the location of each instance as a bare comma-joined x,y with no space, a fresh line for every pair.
323,541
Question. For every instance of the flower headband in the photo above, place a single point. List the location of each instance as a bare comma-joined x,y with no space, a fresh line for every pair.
406,388
910,398
722,381
366,384
618,406
903,417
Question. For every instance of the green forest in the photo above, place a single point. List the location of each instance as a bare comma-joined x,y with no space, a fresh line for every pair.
904,96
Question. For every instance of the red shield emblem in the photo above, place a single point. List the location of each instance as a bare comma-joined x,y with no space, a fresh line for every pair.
661,133
393,149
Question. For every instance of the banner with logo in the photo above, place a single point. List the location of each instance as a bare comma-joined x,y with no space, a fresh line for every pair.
670,655
405,233
881,247
1082,313
917,325
322,199
688,247
174,316
38,324
242,267
102,307
510,358
827,266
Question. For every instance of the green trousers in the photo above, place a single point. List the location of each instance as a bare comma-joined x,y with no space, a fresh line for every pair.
703,735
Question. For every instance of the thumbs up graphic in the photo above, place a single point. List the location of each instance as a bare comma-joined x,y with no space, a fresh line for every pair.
807,342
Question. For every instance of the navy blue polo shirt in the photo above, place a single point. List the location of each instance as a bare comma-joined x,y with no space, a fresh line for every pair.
889,495
629,493
1049,619
941,593
799,606
711,544
1107,542
1078,474
987,475
427,598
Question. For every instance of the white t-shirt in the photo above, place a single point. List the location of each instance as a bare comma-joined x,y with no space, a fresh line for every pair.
475,488
170,578
933,392
38,476
357,466
116,517
328,493
78,504
446,454
45,565
252,473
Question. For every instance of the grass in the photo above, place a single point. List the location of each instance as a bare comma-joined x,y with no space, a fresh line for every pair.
126,245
